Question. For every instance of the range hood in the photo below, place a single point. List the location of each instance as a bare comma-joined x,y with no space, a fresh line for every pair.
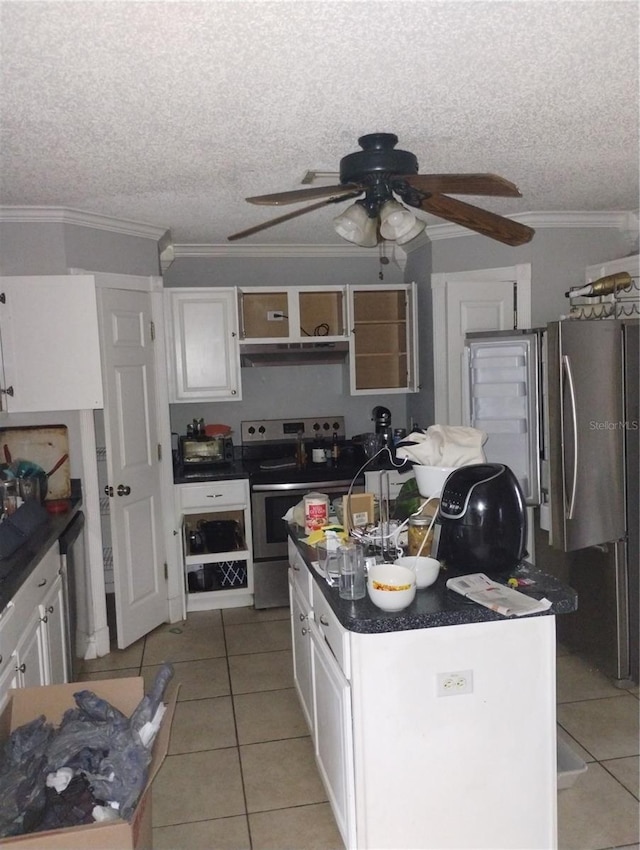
292,353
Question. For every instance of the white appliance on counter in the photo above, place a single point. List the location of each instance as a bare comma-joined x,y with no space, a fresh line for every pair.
560,407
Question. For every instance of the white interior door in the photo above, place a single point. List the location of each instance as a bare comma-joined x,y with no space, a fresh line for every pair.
482,300
131,435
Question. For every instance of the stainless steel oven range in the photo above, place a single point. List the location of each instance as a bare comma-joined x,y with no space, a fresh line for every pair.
278,483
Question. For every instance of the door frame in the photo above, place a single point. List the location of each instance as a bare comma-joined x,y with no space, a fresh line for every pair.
520,275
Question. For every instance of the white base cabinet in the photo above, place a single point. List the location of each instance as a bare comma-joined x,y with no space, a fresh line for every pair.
215,578
405,765
34,631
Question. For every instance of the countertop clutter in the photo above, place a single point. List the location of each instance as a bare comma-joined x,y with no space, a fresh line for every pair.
434,606
15,569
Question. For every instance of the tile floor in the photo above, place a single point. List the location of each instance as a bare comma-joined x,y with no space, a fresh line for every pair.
240,773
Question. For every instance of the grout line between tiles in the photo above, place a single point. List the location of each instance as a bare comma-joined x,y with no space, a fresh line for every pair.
235,726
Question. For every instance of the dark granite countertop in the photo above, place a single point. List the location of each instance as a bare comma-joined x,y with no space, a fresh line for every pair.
251,469
17,568
434,606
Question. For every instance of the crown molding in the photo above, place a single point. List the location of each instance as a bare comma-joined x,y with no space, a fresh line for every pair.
624,220
617,219
80,218
345,249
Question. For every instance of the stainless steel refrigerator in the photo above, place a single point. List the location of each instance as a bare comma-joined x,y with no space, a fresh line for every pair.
560,406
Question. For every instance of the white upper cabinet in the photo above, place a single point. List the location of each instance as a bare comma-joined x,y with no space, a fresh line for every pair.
383,342
202,344
293,314
50,344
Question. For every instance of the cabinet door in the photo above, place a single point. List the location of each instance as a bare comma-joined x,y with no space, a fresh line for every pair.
383,342
203,345
334,735
301,644
30,656
52,614
50,343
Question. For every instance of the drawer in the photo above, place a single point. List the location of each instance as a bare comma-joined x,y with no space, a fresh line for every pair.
300,573
217,494
336,636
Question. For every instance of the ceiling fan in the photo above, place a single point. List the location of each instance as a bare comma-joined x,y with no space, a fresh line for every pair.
381,172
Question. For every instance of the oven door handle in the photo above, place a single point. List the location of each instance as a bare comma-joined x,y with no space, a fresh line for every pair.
323,485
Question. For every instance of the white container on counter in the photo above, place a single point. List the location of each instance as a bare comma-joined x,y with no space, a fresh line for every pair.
316,511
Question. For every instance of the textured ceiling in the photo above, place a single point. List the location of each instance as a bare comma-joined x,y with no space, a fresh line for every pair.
171,113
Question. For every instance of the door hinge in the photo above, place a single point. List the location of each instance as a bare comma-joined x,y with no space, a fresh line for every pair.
159,451
152,328
166,572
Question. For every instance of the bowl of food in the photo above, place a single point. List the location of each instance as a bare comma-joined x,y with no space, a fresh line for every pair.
426,569
390,586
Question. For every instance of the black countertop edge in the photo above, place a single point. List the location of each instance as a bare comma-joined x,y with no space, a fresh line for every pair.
434,606
17,568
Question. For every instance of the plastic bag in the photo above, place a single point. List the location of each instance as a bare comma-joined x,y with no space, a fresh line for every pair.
23,775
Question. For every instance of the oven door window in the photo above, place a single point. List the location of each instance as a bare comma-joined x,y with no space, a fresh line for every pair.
275,507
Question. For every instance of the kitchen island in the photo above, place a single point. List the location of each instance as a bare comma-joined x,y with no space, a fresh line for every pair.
434,727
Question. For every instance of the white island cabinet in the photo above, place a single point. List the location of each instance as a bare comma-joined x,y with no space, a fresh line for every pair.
406,762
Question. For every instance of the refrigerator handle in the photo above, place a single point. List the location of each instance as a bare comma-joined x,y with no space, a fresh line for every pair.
566,364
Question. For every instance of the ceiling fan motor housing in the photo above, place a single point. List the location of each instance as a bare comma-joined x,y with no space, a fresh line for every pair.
376,160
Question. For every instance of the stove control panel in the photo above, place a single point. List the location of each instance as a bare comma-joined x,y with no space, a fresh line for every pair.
283,430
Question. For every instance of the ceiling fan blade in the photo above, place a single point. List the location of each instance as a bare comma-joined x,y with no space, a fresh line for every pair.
281,218
482,221
299,195
463,184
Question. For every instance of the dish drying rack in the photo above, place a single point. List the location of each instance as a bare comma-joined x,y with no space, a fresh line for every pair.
618,305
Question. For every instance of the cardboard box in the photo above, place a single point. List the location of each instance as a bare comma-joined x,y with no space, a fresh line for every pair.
360,508
25,704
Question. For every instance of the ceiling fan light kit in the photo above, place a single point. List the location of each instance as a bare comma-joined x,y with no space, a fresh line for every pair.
395,220
383,174
356,225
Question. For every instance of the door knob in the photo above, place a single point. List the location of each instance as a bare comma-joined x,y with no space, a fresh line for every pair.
123,490
108,491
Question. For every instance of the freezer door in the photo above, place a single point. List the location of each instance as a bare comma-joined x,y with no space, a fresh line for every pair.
586,433
504,402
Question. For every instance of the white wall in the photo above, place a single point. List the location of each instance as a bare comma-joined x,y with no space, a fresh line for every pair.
558,258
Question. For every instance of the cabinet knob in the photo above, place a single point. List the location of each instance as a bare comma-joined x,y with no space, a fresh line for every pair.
302,618
123,490
44,619
21,668
51,609
234,392
304,631
6,390
324,620
108,491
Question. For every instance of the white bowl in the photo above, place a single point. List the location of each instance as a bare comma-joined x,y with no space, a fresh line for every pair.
426,569
431,478
391,576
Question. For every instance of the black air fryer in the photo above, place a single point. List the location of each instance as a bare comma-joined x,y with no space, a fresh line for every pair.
482,521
